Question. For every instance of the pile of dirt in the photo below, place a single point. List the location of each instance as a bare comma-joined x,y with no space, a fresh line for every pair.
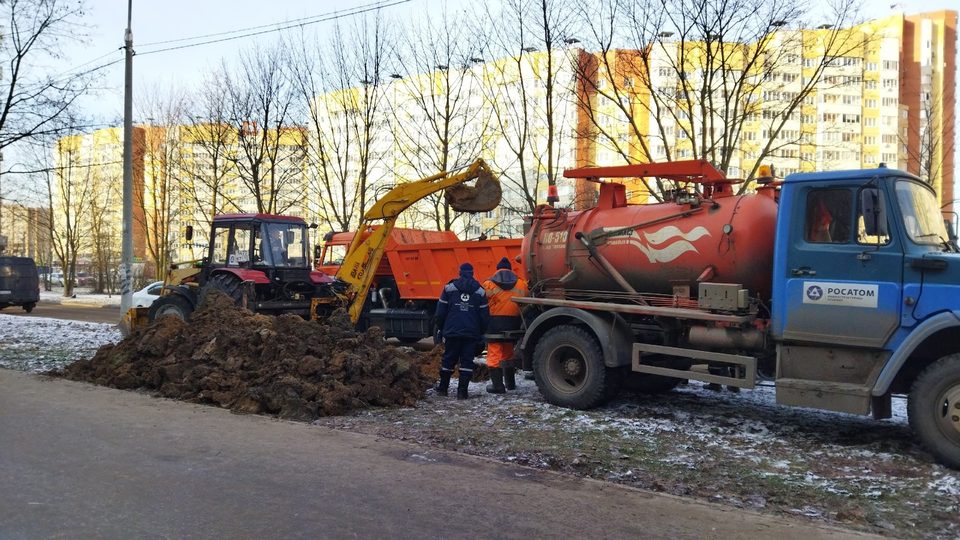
253,363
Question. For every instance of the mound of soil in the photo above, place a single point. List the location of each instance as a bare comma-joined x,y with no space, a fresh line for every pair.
253,363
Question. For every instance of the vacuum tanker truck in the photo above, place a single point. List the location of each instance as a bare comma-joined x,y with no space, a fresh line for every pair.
842,287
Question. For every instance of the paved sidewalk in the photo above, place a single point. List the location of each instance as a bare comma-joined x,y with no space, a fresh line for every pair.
82,461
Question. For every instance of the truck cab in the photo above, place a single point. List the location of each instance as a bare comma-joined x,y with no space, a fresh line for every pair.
866,300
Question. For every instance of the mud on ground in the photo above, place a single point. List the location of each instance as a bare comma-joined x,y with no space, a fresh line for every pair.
252,363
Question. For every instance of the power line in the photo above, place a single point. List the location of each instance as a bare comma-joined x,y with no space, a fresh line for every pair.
296,22
64,167
334,15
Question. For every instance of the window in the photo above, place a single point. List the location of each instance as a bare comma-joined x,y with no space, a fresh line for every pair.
828,216
921,213
333,254
239,253
220,236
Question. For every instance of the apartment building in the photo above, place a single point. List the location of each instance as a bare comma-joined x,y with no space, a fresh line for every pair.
182,175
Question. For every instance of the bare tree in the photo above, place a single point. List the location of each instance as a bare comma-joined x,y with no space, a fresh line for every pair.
697,71
341,83
208,139
32,32
438,114
163,160
934,136
528,97
269,152
70,192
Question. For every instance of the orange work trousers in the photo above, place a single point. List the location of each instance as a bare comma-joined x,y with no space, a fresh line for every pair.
498,351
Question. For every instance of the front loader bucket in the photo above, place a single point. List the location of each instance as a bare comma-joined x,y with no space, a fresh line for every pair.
483,196
135,318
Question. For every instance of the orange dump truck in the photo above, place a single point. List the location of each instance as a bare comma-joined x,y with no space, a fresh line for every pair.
415,267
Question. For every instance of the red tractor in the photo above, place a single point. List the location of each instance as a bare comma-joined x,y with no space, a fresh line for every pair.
259,260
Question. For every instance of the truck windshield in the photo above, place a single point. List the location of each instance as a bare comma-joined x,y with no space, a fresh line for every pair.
285,245
921,213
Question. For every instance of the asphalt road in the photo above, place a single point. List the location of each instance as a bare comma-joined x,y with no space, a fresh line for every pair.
81,461
75,312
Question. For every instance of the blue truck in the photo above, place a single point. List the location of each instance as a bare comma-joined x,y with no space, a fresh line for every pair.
841,287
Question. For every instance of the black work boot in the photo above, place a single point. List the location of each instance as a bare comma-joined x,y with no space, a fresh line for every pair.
496,382
510,378
443,385
463,384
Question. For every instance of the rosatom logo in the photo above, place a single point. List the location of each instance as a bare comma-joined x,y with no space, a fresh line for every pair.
814,292
464,297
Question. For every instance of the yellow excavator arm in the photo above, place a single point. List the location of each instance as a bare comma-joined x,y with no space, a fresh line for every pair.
362,259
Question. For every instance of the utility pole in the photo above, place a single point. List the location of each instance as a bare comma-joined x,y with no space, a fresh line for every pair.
1,196
126,265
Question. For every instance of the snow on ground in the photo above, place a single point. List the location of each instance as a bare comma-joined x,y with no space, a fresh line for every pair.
38,344
739,449
81,296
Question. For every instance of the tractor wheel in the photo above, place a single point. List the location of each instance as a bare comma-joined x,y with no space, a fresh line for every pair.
569,369
933,408
173,305
228,284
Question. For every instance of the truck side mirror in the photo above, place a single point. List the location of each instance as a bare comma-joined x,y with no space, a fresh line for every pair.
188,233
873,206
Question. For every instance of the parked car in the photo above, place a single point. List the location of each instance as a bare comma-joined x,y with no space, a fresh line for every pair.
145,296
19,283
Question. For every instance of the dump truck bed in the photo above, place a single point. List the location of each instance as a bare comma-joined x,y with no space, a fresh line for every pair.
421,270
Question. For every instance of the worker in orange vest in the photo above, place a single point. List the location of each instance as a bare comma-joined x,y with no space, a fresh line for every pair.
503,286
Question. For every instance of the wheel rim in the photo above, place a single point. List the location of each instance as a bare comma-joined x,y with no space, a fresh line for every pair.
947,412
170,309
567,369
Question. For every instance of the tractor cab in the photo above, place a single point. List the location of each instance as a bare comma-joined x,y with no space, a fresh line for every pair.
258,247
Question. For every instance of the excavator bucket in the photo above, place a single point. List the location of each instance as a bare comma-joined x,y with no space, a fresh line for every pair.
483,196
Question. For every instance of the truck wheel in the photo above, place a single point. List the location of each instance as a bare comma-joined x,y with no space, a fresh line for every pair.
228,284
933,408
569,369
29,307
173,305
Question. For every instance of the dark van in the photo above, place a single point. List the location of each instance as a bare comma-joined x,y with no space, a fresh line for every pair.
19,283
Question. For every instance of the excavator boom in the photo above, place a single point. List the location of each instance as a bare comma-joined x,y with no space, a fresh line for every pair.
365,252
